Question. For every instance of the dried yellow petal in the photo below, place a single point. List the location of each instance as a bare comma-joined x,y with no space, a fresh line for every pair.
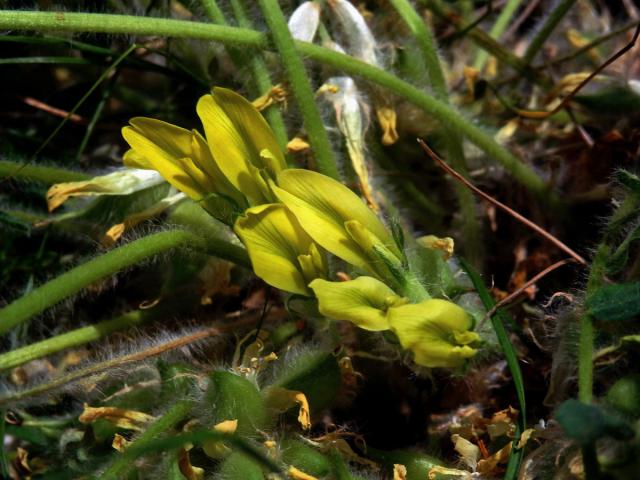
281,400
399,472
121,417
387,119
297,144
296,474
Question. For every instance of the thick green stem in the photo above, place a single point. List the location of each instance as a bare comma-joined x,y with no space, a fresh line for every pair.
48,175
550,23
86,22
426,45
498,29
175,414
300,86
111,262
74,338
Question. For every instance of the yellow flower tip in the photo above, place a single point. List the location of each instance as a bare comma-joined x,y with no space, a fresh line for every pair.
436,331
445,244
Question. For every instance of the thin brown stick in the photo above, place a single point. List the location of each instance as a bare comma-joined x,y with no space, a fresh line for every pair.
56,112
539,230
581,85
516,293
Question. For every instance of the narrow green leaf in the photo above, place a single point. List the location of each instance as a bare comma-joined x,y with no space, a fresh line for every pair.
497,320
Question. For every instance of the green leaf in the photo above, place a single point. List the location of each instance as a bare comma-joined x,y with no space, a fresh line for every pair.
616,100
222,396
498,320
304,457
612,303
628,179
587,423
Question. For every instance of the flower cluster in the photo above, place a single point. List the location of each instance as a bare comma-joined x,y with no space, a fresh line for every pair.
289,221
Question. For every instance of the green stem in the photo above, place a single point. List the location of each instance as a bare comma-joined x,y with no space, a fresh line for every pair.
213,11
301,87
48,175
483,40
454,140
498,29
176,413
74,338
262,79
590,462
550,23
107,264
87,22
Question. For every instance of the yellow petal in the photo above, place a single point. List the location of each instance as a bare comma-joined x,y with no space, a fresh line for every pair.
121,182
121,417
217,448
163,156
274,241
297,474
201,154
363,301
236,133
282,399
387,120
323,205
430,329
432,242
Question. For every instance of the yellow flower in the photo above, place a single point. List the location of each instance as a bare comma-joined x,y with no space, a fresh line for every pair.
242,143
363,301
436,331
240,154
324,207
281,252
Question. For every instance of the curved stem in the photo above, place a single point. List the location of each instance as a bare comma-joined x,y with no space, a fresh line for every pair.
40,173
104,23
497,30
111,262
550,23
301,86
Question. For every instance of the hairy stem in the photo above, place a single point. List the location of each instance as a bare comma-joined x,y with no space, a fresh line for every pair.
111,262
74,338
301,87
497,30
87,22
428,50
48,175
550,23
